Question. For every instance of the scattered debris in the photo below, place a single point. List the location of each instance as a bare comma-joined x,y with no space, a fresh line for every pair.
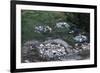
52,50
56,49
62,25
42,29
80,38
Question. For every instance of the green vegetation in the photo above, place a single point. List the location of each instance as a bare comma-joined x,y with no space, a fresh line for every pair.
30,19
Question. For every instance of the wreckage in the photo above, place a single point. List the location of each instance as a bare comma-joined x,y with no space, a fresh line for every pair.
49,50
56,48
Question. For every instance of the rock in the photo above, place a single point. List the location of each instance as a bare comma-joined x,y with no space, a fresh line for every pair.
65,44
60,42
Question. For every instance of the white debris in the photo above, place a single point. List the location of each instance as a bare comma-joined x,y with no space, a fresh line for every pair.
85,46
50,29
80,38
54,49
42,28
27,61
41,45
62,25
39,29
72,31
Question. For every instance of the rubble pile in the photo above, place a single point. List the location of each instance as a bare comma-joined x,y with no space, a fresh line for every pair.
52,50
56,48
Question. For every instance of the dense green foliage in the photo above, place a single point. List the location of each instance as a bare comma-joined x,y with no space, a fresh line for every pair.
30,19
